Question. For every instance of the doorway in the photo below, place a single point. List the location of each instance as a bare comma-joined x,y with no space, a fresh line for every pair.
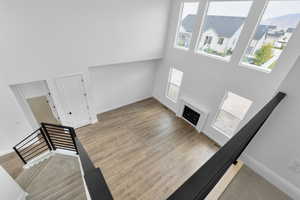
73,97
36,102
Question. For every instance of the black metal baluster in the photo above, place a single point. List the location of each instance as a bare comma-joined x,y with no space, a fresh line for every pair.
18,153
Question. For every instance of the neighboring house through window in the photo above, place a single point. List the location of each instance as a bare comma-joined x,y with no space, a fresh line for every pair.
186,24
221,41
272,34
208,40
223,23
174,83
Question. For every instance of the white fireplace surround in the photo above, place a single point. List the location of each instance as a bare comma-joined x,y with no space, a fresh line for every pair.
196,107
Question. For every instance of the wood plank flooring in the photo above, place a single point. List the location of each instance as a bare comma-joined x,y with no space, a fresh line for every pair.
144,151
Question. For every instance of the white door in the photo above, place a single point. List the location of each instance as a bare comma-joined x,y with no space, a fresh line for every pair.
74,100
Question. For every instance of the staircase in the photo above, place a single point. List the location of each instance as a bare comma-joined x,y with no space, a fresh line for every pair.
57,178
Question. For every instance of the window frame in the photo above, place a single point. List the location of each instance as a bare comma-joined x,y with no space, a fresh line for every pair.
219,111
169,83
179,22
253,67
241,63
198,52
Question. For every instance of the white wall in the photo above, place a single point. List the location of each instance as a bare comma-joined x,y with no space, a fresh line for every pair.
277,144
122,84
9,188
206,79
41,40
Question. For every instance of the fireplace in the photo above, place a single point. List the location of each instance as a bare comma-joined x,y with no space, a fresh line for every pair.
193,113
190,115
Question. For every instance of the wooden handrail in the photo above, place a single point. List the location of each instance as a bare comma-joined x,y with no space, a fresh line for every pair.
199,185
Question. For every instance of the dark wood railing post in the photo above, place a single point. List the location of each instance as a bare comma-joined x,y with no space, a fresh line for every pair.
18,153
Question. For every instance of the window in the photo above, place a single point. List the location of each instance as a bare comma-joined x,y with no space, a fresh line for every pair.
232,111
207,40
272,34
223,23
186,24
221,40
175,78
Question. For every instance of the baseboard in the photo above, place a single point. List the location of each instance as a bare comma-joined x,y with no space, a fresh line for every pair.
281,183
126,104
65,152
166,105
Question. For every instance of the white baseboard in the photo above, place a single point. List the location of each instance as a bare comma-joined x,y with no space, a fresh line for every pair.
281,183
121,105
65,152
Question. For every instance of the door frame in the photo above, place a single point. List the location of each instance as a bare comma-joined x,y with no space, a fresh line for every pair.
60,98
22,101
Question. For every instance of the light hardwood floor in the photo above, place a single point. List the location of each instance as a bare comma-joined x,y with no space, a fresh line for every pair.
144,151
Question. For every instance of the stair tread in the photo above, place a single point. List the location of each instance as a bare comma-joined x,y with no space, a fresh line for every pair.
57,185
60,179
28,175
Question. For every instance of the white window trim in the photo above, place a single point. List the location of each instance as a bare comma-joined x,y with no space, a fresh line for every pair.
168,87
199,52
218,112
249,66
179,24
170,83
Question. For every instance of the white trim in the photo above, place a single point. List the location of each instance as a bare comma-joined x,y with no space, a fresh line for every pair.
170,83
249,66
179,22
219,110
200,52
221,131
87,193
65,152
283,184
119,106
241,63
197,51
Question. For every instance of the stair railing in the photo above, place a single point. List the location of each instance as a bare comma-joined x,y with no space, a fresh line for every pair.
47,138
200,184
32,146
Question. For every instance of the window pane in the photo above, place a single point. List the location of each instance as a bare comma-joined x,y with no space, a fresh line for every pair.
186,24
176,77
222,27
236,105
277,25
234,108
173,92
227,123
